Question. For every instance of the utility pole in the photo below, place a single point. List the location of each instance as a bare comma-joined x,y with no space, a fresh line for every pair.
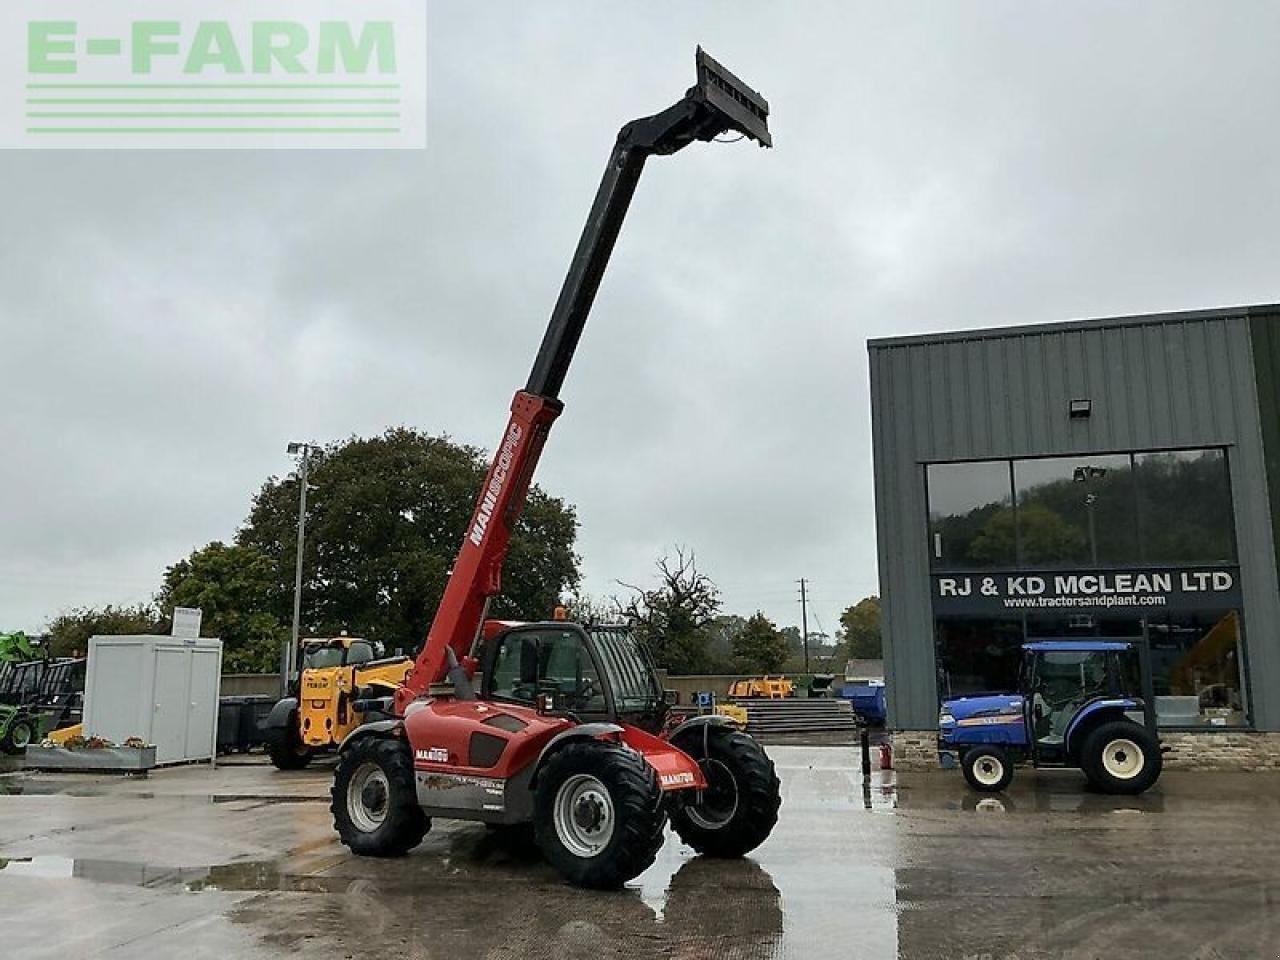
804,620
291,652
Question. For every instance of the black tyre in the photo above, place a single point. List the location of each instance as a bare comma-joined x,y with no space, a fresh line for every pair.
286,749
988,769
1121,757
598,814
739,808
374,801
19,735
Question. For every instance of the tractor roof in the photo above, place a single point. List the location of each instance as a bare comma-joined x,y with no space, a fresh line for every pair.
1076,646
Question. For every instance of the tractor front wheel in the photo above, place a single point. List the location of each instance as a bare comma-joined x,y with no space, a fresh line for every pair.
374,800
598,814
988,769
738,810
1121,757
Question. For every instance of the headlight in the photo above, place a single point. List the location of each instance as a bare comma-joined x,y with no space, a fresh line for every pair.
945,719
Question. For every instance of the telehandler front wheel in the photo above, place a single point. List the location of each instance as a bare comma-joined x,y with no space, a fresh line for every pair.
18,737
286,749
374,801
598,814
739,808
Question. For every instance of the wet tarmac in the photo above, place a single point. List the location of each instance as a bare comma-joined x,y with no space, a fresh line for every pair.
241,861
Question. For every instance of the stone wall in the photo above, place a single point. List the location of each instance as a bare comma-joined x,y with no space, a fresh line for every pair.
1237,750
914,749
1211,750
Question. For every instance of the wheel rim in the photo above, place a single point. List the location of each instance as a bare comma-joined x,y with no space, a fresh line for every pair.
717,804
1123,759
988,770
21,735
368,797
584,815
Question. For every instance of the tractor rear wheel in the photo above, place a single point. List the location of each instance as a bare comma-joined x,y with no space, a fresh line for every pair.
988,769
286,749
1121,757
738,810
598,814
374,800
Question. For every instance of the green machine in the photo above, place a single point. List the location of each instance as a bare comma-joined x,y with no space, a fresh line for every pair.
37,694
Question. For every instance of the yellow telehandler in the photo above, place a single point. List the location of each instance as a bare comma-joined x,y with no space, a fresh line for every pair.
338,676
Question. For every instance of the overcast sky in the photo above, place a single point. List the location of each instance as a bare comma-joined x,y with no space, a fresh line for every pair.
171,320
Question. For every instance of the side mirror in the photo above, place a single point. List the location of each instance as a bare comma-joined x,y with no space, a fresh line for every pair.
671,697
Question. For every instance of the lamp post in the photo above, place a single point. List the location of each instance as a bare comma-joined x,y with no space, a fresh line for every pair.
1086,475
291,652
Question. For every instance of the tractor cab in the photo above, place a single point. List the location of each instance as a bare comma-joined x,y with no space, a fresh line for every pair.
591,672
1062,681
1079,704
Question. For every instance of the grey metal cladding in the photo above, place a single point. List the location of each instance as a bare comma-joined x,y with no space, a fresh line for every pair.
1162,380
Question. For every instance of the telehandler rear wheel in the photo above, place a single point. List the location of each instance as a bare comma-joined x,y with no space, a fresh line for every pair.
598,814
738,810
374,801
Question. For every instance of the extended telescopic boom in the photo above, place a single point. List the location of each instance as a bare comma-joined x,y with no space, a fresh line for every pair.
718,103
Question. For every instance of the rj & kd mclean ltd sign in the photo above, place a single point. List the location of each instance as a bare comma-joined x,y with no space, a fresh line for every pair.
1086,590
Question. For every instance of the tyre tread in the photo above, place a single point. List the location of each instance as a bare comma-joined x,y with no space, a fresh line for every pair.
759,795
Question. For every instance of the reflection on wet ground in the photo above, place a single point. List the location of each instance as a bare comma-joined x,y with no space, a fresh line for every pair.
243,863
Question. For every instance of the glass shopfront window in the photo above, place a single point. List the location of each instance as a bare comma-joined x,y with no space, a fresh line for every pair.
1184,507
971,523
1195,668
1076,511
977,655
1164,508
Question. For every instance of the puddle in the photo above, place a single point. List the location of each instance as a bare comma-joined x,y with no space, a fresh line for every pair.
44,788
249,876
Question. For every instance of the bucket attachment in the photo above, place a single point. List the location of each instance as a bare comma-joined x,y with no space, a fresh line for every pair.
744,109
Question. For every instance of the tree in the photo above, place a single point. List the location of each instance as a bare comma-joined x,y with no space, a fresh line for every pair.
675,617
860,629
760,646
385,516
69,632
242,602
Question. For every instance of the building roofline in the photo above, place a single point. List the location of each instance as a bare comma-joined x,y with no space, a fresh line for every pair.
1102,323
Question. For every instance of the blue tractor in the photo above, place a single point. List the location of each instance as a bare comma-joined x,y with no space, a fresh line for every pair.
1077,707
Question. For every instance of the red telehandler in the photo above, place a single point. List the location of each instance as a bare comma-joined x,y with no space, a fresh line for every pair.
569,730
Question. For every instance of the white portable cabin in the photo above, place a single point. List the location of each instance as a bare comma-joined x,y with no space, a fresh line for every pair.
163,690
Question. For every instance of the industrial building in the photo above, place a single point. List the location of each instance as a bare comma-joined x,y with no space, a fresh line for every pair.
1117,478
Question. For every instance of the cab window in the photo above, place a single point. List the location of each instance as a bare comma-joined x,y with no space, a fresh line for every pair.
360,651
529,662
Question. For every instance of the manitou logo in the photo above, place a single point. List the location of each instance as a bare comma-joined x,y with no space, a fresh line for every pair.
683,779
497,480
434,755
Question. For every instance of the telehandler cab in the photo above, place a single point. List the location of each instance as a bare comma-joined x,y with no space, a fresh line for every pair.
568,731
